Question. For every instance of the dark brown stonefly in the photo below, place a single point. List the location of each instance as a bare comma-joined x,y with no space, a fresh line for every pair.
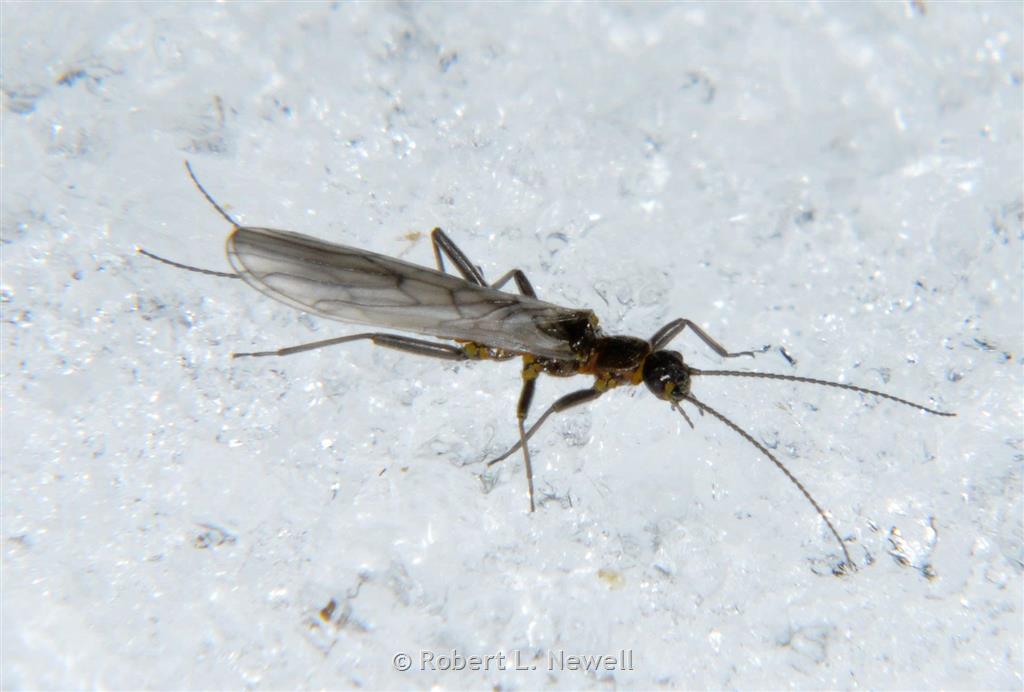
352,285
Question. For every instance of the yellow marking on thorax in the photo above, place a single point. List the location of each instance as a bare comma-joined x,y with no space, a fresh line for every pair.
638,375
610,380
475,350
531,368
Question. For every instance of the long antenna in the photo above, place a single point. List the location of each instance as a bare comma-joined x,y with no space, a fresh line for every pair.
764,450
811,380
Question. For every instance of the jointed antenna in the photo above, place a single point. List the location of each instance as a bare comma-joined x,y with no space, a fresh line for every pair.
702,407
811,380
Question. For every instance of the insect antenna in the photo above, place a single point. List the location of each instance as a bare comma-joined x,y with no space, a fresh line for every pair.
702,407
811,380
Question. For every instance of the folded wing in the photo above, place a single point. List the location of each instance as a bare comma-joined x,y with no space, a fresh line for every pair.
353,285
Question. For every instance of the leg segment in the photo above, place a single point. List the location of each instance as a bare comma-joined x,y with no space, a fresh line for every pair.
671,330
522,283
444,246
522,408
577,398
400,343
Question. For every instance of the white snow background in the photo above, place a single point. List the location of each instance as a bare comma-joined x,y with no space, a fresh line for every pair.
839,180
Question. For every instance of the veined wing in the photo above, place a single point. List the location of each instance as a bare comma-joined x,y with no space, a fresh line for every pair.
362,287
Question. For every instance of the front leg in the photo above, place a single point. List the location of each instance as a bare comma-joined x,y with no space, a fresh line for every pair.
671,330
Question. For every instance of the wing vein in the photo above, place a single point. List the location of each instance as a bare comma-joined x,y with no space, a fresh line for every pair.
361,287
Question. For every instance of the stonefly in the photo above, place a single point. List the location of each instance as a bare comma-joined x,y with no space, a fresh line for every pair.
486,323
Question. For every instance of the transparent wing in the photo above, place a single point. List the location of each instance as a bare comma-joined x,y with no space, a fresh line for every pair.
353,285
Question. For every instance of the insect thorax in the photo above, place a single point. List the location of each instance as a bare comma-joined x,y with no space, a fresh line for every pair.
617,360
579,330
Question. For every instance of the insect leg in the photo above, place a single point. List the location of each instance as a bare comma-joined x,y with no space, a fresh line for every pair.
400,343
522,408
671,330
522,283
580,396
443,245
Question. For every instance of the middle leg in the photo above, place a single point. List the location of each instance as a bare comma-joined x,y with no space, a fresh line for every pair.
576,398
522,408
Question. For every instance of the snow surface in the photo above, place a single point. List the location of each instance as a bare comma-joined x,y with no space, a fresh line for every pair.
839,180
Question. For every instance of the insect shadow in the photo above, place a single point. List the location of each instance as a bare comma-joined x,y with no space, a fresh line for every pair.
486,323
